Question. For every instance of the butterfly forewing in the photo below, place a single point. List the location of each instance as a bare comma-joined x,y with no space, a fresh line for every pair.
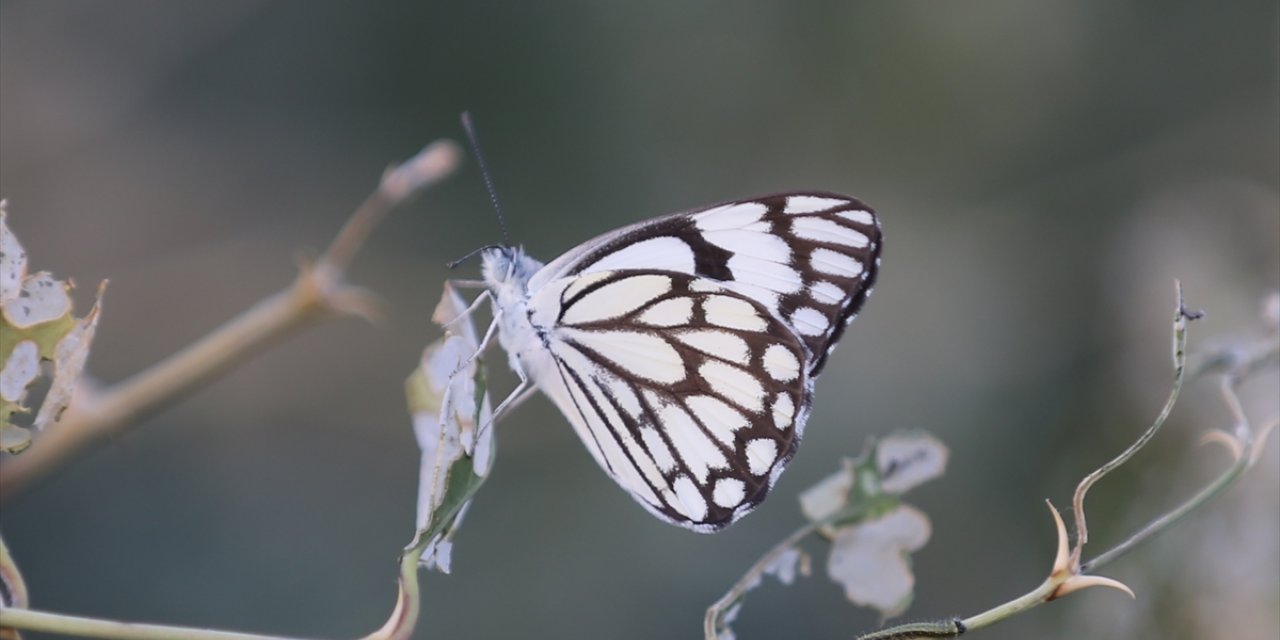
810,258
691,395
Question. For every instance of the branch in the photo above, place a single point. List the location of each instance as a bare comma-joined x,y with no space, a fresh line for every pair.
1069,574
1180,317
31,620
319,293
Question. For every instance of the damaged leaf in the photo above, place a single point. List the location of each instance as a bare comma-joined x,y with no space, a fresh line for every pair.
38,327
871,559
447,398
872,532
907,460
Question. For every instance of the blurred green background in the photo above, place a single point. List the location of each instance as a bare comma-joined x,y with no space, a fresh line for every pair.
1044,171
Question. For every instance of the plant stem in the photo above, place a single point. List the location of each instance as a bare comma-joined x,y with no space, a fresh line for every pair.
1180,317
32,620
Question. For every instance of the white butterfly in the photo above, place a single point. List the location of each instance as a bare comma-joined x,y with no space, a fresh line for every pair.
684,349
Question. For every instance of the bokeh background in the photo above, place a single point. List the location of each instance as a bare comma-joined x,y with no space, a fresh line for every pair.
1044,172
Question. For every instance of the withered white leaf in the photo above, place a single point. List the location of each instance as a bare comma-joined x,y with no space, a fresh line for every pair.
870,559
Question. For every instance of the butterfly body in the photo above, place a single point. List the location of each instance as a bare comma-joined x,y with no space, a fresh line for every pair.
684,349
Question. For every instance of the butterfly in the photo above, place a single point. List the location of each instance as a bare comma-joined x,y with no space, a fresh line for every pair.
683,350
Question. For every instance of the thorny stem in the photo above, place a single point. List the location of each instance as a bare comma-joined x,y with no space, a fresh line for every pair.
1180,318
318,293
1244,445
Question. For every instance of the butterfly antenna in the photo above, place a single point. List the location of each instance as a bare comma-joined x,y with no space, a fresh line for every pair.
469,126
455,263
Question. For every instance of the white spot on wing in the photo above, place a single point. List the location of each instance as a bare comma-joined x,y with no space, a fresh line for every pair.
698,452
733,383
689,500
784,411
858,216
702,285
623,471
721,344
752,243
824,230
617,298
623,394
671,312
730,216
646,465
642,354
764,296
812,204
729,492
582,282
809,321
780,363
826,292
719,418
761,454
666,253
836,264
658,449
769,274
733,313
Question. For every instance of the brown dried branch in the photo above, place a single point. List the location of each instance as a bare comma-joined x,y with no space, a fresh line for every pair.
319,292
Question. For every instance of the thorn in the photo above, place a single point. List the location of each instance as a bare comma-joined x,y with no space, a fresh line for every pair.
1076,583
1062,560
1218,436
1260,441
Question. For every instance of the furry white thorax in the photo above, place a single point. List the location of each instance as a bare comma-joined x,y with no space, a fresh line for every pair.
507,271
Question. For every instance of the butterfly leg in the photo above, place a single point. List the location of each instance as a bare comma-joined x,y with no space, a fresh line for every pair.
522,392
475,304
468,284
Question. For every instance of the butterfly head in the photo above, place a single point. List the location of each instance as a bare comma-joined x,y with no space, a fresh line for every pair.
506,267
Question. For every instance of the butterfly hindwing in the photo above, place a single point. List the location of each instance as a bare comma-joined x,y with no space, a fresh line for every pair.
691,395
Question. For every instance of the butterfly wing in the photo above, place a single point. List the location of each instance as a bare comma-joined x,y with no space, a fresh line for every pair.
809,258
691,395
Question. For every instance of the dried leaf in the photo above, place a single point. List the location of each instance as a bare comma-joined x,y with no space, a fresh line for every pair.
14,439
41,299
871,559
20,369
829,495
13,261
724,628
37,325
447,398
68,364
787,565
905,461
